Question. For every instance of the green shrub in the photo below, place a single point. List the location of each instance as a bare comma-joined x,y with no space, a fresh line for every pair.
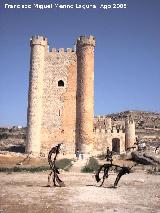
64,164
91,166
24,169
3,136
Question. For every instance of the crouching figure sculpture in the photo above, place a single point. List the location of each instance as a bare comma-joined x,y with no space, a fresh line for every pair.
106,167
123,170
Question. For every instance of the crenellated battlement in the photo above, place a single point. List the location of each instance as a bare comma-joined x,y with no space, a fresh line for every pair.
62,50
106,131
130,120
38,40
86,40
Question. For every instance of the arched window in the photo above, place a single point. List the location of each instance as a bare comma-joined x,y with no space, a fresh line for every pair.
61,83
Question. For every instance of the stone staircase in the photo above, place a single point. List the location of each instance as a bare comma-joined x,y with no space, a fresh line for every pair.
78,165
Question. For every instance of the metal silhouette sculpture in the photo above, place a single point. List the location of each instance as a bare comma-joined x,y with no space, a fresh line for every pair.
109,155
106,167
124,170
54,170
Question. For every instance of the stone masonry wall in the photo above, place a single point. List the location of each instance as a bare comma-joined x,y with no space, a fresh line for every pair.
59,102
104,138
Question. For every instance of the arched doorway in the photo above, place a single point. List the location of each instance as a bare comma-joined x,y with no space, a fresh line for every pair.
116,145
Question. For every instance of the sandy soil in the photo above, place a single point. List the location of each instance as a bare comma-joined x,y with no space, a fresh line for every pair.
27,193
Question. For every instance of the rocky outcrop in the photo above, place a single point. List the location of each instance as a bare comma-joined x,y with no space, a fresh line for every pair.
146,158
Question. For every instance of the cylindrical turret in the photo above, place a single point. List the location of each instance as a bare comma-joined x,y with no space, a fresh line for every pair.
129,132
108,123
85,93
38,47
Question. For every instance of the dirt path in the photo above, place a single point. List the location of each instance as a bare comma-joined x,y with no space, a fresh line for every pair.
27,193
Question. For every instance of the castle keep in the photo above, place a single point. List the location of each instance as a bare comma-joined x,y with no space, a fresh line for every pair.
61,102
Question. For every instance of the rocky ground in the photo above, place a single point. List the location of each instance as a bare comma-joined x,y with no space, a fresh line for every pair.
28,192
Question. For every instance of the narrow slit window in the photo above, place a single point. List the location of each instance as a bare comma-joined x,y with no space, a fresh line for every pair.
61,83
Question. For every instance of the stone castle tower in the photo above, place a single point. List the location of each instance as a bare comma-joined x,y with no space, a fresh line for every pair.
85,93
130,132
61,96
61,102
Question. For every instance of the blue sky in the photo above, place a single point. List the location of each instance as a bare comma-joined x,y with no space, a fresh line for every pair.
127,54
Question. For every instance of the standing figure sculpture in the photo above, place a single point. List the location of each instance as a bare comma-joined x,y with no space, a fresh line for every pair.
54,170
109,155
